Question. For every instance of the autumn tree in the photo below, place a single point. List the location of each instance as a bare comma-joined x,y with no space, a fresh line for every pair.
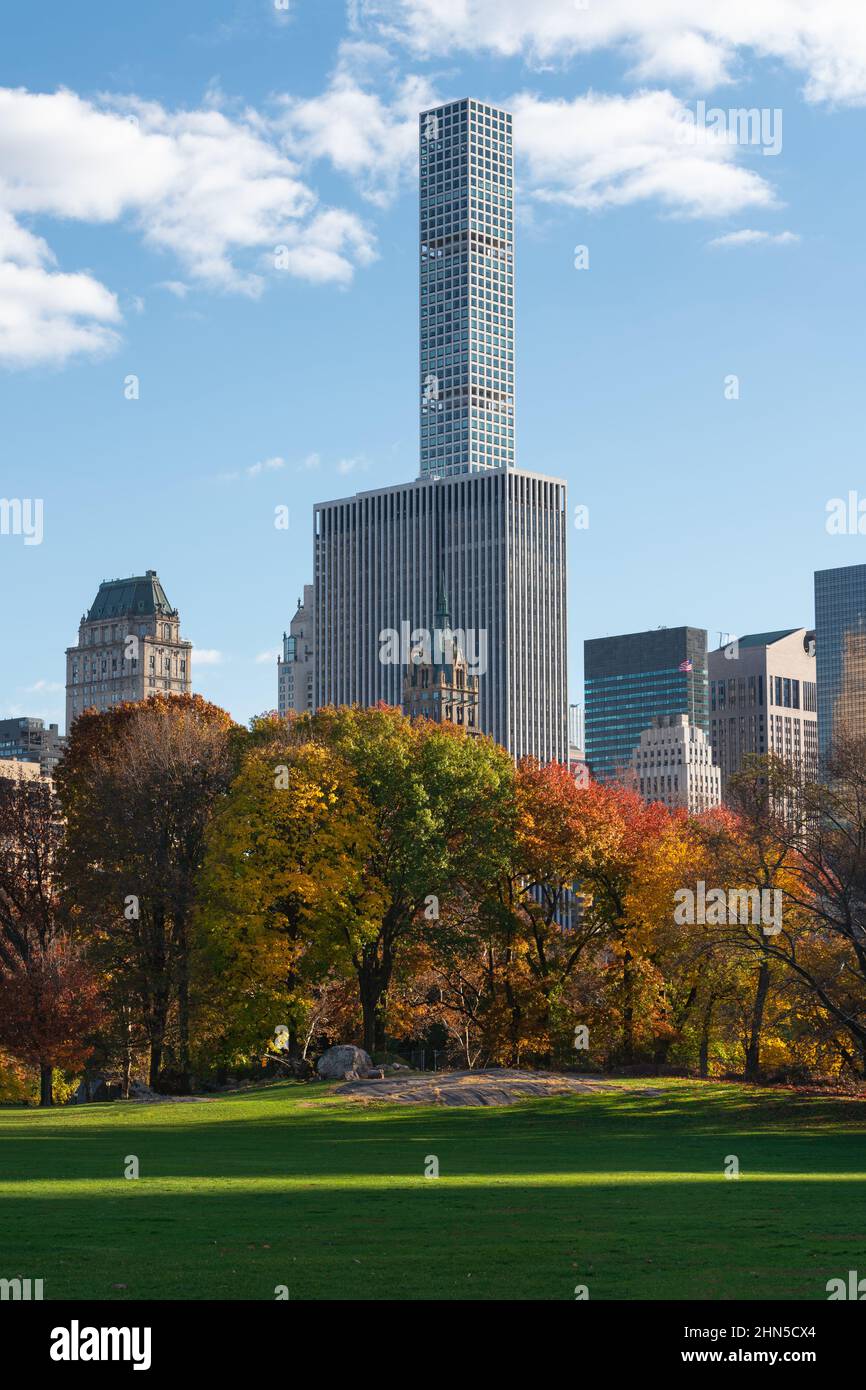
139,784
436,797
47,994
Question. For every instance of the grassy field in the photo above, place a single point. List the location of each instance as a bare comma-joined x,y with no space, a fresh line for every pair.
287,1185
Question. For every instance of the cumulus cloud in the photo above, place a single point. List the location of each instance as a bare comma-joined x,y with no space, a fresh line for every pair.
369,135
822,40
599,151
747,237
218,193
206,656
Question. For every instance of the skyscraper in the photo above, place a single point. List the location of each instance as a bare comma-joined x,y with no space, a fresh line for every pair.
466,230
496,533
129,647
763,699
629,681
296,667
840,643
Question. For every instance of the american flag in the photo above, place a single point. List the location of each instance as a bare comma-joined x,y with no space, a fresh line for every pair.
685,665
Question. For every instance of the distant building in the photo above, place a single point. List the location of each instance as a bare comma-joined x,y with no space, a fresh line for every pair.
764,699
296,668
840,639
673,763
18,770
28,740
630,681
129,647
576,727
438,683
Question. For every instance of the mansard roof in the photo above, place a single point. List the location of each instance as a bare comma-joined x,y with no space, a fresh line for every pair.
139,596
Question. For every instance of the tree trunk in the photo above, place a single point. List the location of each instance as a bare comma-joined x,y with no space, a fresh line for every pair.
627,1009
753,1051
46,1087
704,1053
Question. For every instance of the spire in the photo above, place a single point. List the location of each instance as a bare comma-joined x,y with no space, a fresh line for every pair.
443,620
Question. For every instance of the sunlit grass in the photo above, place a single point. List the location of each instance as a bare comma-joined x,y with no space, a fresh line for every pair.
624,1192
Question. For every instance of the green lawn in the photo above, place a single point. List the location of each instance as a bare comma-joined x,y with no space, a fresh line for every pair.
289,1186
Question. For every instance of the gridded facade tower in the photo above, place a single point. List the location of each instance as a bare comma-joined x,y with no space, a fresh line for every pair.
631,680
840,643
673,763
467,289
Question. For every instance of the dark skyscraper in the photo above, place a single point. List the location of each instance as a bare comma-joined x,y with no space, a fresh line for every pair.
632,680
840,649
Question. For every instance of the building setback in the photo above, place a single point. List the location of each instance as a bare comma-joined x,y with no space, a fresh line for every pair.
631,680
840,642
498,539
296,668
673,763
129,647
764,699
496,534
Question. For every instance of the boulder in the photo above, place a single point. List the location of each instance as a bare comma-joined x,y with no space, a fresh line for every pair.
337,1062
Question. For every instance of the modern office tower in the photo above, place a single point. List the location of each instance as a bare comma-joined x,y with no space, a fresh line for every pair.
763,699
466,230
129,647
437,682
496,533
498,537
296,669
673,763
28,740
630,680
840,639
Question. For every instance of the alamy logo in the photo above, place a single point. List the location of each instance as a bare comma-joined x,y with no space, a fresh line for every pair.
739,125
76,1343
418,646
22,516
24,1290
716,907
855,1288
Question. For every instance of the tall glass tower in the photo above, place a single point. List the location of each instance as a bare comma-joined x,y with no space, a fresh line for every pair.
840,646
467,289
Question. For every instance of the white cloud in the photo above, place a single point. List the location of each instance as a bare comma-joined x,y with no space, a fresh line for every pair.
684,40
310,463
218,193
46,315
265,658
270,465
345,466
371,138
42,687
175,287
206,656
598,151
747,237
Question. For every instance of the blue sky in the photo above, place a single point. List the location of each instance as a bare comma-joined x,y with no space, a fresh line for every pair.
151,159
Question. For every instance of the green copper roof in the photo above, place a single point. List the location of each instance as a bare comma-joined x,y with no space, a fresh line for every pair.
138,596
766,639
